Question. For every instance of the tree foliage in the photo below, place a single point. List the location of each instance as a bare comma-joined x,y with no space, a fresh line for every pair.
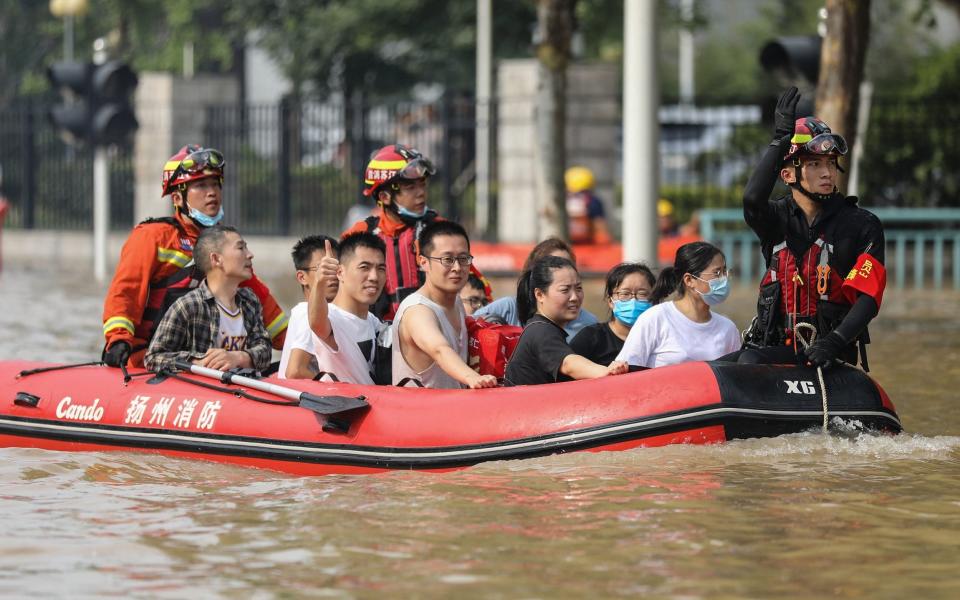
381,48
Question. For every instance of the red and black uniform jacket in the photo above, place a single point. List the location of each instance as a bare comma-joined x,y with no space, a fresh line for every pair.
830,272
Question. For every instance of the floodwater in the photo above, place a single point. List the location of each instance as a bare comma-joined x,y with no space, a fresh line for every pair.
800,516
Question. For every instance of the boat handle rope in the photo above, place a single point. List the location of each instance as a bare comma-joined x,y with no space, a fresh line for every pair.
811,328
28,372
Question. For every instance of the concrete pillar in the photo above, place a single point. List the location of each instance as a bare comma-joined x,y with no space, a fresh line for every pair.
593,117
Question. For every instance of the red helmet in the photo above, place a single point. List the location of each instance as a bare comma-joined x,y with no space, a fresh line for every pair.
394,162
813,136
192,163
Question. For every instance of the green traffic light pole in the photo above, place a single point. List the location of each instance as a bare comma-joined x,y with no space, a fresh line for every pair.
101,188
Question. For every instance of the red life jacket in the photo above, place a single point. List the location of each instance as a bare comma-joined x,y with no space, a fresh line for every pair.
804,282
164,292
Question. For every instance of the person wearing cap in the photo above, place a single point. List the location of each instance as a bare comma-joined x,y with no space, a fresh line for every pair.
156,263
824,254
396,176
586,219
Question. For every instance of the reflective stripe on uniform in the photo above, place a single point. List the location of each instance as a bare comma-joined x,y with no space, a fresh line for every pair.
277,325
174,257
118,322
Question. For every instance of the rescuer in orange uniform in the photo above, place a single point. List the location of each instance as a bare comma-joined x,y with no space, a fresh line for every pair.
156,263
396,177
586,218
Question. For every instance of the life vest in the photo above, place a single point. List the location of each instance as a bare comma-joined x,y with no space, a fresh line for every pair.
579,226
165,291
804,282
403,274
805,290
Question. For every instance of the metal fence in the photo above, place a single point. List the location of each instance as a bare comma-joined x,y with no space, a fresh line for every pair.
49,183
296,168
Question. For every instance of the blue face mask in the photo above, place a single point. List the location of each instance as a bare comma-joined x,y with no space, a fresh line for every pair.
405,212
719,290
205,220
627,311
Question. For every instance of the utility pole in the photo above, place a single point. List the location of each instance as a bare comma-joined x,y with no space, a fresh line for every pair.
686,58
484,111
641,126
101,189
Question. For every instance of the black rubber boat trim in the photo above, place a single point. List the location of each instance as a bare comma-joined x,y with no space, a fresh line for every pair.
743,421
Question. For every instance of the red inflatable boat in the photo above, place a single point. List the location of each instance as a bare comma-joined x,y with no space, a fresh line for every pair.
344,428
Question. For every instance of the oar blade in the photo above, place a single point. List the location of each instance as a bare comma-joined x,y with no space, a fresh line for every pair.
332,405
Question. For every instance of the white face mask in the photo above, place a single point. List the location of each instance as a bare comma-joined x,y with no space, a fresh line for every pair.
719,290
203,219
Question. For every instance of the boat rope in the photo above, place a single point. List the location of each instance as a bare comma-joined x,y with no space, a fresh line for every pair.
28,372
812,330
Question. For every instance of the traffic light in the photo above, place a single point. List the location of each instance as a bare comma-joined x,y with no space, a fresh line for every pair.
97,106
796,59
793,56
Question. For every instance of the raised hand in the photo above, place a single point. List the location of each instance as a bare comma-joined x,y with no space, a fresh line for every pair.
326,274
785,115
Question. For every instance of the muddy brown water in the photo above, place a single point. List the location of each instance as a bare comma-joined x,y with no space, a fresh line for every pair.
799,516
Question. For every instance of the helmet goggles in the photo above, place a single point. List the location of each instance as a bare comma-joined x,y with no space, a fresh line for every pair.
825,143
418,168
206,160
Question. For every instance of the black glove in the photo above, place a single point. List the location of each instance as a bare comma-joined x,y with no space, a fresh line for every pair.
117,354
824,351
785,116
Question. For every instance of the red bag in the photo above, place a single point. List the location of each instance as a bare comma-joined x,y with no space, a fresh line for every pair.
491,346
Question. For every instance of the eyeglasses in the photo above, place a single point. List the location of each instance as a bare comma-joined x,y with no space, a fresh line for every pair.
465,260
625,295
474,303
724,272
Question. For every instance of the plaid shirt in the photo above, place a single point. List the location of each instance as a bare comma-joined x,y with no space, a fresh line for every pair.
191,326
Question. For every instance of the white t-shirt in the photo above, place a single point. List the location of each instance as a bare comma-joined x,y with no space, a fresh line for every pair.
355,338
664,336
299,336
232,334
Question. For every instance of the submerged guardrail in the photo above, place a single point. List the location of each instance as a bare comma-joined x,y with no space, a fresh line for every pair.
923,244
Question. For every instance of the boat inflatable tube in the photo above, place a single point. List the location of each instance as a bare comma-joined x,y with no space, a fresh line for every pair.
90,408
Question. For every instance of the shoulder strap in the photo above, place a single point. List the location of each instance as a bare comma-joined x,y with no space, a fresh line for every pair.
373,221
166,221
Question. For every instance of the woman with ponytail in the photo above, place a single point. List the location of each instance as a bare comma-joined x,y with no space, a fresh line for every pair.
685,329
549,296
